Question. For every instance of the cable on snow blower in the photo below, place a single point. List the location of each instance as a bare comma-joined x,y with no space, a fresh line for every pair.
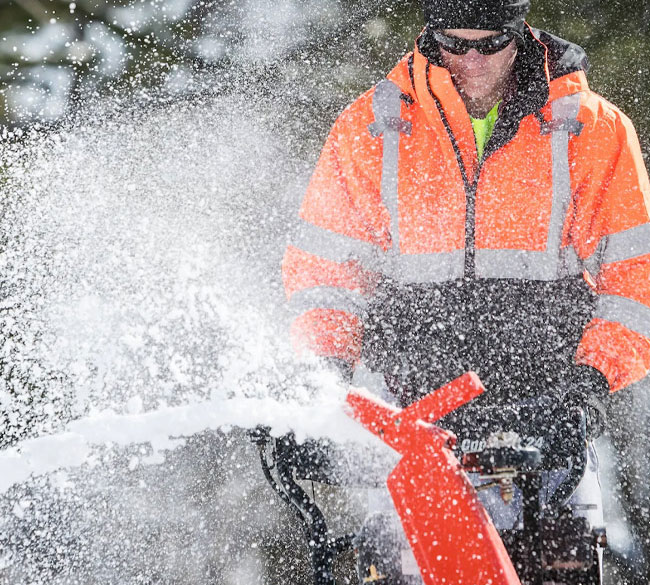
280,459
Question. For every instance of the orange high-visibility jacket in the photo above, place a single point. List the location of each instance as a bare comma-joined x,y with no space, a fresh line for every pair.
400,196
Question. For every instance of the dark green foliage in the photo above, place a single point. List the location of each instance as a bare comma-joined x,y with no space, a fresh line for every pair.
615,36
370,35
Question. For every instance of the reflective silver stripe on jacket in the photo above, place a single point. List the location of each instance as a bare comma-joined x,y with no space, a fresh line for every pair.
336,247
328,297
423,268
573,264
409,268
387,108
565,114
624,245
555,262
595,261
523,264
627,244
406,268
633,315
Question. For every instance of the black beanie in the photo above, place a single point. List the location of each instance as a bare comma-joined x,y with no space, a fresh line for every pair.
476,14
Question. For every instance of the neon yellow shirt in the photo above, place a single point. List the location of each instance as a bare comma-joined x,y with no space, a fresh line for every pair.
483,129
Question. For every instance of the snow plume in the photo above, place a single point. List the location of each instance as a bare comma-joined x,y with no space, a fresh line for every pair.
141,304
140,265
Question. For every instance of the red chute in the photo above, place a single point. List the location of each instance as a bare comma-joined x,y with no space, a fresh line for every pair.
451,535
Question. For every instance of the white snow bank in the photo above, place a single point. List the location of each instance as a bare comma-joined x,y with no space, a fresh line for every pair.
165,428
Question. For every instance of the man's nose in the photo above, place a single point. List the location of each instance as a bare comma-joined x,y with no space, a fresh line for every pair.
473,55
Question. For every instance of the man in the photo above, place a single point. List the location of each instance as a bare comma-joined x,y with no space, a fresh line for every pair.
480,209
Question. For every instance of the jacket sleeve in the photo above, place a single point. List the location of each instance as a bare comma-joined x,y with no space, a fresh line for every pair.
615,220
328,268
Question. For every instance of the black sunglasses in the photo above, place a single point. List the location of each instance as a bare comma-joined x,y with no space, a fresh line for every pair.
485,46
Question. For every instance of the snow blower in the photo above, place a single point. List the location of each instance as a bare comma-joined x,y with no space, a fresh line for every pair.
453,538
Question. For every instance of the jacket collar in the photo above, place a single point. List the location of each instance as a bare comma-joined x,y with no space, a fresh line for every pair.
546,68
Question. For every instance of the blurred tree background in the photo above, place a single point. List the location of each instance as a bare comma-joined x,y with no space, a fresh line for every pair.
58,59
55,54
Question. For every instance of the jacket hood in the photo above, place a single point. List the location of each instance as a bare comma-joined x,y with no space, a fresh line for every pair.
567,64
563,57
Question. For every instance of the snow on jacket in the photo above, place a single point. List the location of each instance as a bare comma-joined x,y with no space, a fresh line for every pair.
424,262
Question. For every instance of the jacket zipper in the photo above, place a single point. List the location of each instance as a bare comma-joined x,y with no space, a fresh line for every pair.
469,271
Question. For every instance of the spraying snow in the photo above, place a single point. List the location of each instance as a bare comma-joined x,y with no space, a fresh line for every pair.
141,263
141,305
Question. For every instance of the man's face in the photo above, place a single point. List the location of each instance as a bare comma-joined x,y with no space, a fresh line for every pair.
477,76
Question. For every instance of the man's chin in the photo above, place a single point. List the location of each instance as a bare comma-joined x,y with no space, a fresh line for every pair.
477,92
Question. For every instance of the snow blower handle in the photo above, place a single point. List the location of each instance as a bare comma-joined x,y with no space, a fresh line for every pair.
449,531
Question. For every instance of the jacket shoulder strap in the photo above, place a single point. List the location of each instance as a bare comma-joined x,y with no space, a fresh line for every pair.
565,116
386,106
